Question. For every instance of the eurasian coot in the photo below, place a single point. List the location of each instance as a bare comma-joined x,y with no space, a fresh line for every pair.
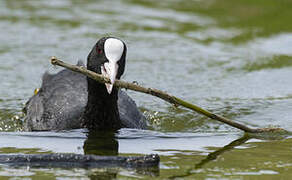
69,100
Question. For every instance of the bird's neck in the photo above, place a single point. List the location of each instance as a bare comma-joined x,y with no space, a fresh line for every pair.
101,112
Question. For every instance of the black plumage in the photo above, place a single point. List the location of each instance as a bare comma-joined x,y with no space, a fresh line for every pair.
69,100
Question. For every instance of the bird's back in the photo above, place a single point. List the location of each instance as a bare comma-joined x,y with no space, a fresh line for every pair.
61,102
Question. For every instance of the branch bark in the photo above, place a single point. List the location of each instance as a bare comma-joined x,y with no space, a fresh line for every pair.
162,95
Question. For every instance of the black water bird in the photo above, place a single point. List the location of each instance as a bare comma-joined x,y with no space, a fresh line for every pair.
69,100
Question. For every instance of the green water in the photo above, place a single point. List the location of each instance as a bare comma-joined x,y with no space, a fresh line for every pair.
233,58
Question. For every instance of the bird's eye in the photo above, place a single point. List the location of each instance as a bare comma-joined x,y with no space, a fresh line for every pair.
99,51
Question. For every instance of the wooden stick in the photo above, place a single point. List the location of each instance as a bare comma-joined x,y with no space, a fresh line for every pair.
162,95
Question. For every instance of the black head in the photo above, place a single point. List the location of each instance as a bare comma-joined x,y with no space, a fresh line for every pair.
107,57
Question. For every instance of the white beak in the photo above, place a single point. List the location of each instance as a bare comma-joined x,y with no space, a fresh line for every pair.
110,70
113,49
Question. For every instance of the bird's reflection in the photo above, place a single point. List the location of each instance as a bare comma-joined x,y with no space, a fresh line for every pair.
106,144
105,174
101,143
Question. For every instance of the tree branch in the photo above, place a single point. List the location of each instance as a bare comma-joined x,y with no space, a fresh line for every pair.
162,95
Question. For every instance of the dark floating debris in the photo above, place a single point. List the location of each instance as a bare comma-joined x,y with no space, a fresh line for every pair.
79,160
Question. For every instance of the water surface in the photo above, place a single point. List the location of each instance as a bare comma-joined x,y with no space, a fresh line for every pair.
233,58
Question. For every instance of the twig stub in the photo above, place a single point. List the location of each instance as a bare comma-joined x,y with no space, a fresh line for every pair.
54,60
